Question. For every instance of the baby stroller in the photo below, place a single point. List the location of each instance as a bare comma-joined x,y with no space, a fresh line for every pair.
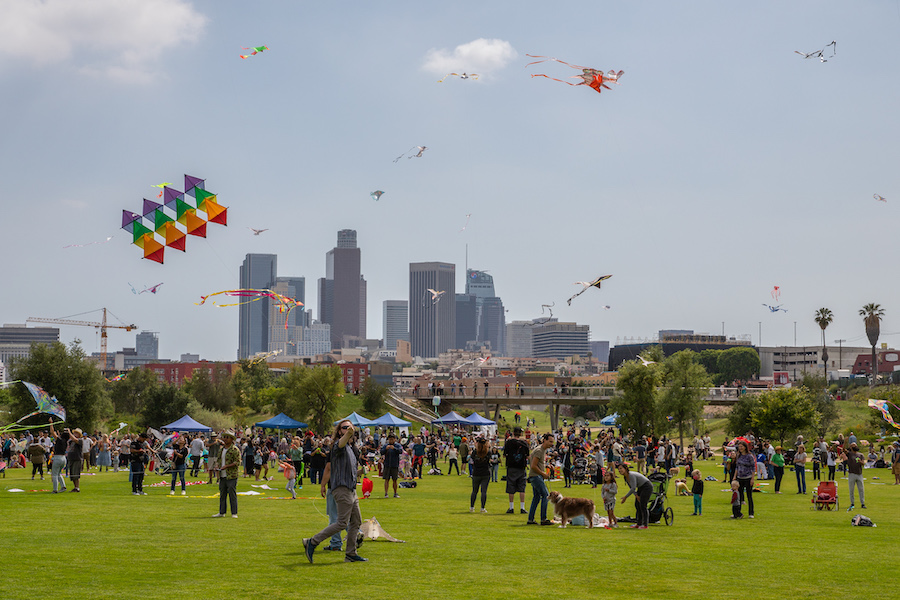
825,496
580,471
657,506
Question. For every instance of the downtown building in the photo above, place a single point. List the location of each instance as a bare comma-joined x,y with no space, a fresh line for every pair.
480,316
342,292
16,340
432,324
395,322
554,339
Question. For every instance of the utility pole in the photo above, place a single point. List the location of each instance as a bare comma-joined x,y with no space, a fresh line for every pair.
840,344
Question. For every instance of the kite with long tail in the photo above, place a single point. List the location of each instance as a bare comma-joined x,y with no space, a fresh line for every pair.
590,77
45,404
283,303
882,405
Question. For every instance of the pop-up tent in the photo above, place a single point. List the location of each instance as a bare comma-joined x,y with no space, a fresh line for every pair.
609,420
389,420
478,420
187,424
281,421
451,418
357,420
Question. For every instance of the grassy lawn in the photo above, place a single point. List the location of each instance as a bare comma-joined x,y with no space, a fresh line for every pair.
106,543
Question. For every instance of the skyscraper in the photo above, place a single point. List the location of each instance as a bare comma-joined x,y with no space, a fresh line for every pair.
257,273
146,344
519,336
466,320
560,340
342,292
432,324
490,316
396,322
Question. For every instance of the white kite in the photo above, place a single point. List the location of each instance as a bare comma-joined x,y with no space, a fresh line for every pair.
587,285
418,149
435,296
820,54
879,198
373,530
256,231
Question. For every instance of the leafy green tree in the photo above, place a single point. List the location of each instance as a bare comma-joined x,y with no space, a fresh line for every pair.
129,394
784,410
876,420
250,378
165,403
215,392
64,373
823,400
738,364
373,395
739,418
685,382
320,391
636,406
708,359
872,314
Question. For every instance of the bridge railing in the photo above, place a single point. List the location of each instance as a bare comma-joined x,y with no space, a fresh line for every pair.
542,392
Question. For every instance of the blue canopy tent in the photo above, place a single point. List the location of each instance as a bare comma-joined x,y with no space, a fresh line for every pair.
389,420
187,424
451,418
281,421
609,420
357,420
478,420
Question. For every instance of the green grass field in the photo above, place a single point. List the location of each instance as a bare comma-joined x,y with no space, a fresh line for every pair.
106,543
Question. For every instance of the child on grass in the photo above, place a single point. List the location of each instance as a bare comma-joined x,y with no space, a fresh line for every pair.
608,492
735,501
697,491
290,473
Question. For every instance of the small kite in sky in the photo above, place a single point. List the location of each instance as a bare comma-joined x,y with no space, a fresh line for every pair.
256,50
418,152
460,75
468,216
549,308
263,356
283,303
644,361
256,231
820,54
774,308
435,296
590,77
882,405
776,293
88,244
879,198
377,194
161,186
151,289
587,285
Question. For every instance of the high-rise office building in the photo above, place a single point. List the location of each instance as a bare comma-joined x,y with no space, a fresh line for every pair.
146,345
466,321
15,340
432,323
257,273
560,340
395,322
342,292
490,316
518,339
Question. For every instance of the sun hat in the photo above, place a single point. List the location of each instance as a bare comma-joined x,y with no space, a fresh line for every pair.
228,433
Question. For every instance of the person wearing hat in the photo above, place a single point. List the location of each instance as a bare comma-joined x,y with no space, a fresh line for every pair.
854,461
895,462
515,450
229,461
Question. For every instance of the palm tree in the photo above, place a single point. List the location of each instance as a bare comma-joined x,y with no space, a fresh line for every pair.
871,314
824,317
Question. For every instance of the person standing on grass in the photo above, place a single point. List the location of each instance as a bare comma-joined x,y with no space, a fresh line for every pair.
228,468
697,491
778,467
895,462
800,468
641,488
179,455
74,458
390,468
855,460
342,477
197,446
139,457
515,450
745,473
58,464
481,474
214,451
464,453
537,473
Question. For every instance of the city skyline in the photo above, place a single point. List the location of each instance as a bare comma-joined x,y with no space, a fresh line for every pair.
720,165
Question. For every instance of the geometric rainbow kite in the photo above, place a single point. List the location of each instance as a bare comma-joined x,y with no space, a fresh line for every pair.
168,224
882,406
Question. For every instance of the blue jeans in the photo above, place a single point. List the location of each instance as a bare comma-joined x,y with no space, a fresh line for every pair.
331,511
56,470
800,470
175,473
539,489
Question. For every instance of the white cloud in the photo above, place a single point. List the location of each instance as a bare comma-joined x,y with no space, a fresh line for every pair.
119,39
480,56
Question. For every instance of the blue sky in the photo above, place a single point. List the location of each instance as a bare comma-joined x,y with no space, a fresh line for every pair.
722,165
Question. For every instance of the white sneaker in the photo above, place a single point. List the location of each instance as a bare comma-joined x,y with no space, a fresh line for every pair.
183,493
472,509
172,493
234,516
385,495
218,515
484,510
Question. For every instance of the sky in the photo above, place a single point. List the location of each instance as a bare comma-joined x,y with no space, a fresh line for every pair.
722,165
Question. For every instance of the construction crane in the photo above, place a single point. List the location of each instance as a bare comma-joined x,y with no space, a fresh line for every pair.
102,326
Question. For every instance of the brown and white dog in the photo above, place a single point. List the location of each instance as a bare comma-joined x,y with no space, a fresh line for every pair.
566,508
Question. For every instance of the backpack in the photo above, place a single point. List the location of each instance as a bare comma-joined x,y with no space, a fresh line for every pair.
862,521
407,484
518,458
